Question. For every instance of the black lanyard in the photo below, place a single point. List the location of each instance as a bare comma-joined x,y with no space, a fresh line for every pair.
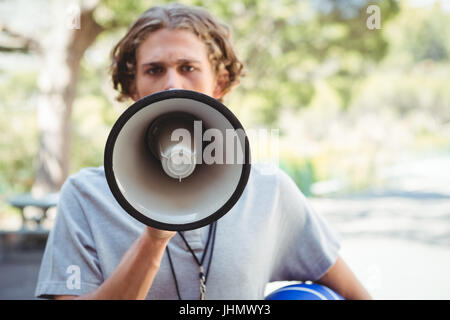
202,275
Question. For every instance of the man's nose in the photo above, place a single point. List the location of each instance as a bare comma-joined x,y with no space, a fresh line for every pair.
173,80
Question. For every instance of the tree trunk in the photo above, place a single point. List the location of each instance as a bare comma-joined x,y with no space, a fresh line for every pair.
61,52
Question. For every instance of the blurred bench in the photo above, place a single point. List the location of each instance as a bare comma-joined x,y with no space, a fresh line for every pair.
31,227
43,204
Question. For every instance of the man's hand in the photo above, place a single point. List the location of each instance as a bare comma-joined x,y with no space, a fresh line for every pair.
158,234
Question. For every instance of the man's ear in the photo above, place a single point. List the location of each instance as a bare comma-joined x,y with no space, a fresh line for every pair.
134,97
222,81
133,92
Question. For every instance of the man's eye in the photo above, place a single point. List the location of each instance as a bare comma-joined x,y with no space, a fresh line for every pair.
154,70
187,68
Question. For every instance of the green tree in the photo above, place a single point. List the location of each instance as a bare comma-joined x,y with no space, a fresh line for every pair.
287,47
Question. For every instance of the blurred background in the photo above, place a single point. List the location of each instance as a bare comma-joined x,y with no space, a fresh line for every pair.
358,89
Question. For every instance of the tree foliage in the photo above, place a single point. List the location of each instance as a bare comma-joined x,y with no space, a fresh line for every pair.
287,46
298,55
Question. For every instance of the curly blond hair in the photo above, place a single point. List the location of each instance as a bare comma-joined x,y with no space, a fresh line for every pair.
214,34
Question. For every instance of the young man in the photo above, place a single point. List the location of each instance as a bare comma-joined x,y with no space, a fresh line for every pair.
97,251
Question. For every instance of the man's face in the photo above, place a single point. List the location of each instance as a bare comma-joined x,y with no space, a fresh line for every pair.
173,59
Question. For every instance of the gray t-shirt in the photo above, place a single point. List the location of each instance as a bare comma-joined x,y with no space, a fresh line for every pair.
271,234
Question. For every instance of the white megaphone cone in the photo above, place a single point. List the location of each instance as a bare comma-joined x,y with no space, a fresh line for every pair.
155,163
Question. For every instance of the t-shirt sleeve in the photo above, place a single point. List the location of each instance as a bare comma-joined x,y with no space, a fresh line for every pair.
306,245
70,265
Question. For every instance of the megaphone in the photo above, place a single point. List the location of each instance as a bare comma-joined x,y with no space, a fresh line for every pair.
177,160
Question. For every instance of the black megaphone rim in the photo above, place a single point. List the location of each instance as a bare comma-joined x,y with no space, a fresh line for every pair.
144,102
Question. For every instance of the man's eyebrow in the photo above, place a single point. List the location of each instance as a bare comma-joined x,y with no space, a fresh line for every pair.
161,63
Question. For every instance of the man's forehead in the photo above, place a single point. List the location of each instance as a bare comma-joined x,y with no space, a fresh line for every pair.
171,47
170,59
168,54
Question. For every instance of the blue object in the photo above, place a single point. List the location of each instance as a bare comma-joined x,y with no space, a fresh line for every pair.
304,291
